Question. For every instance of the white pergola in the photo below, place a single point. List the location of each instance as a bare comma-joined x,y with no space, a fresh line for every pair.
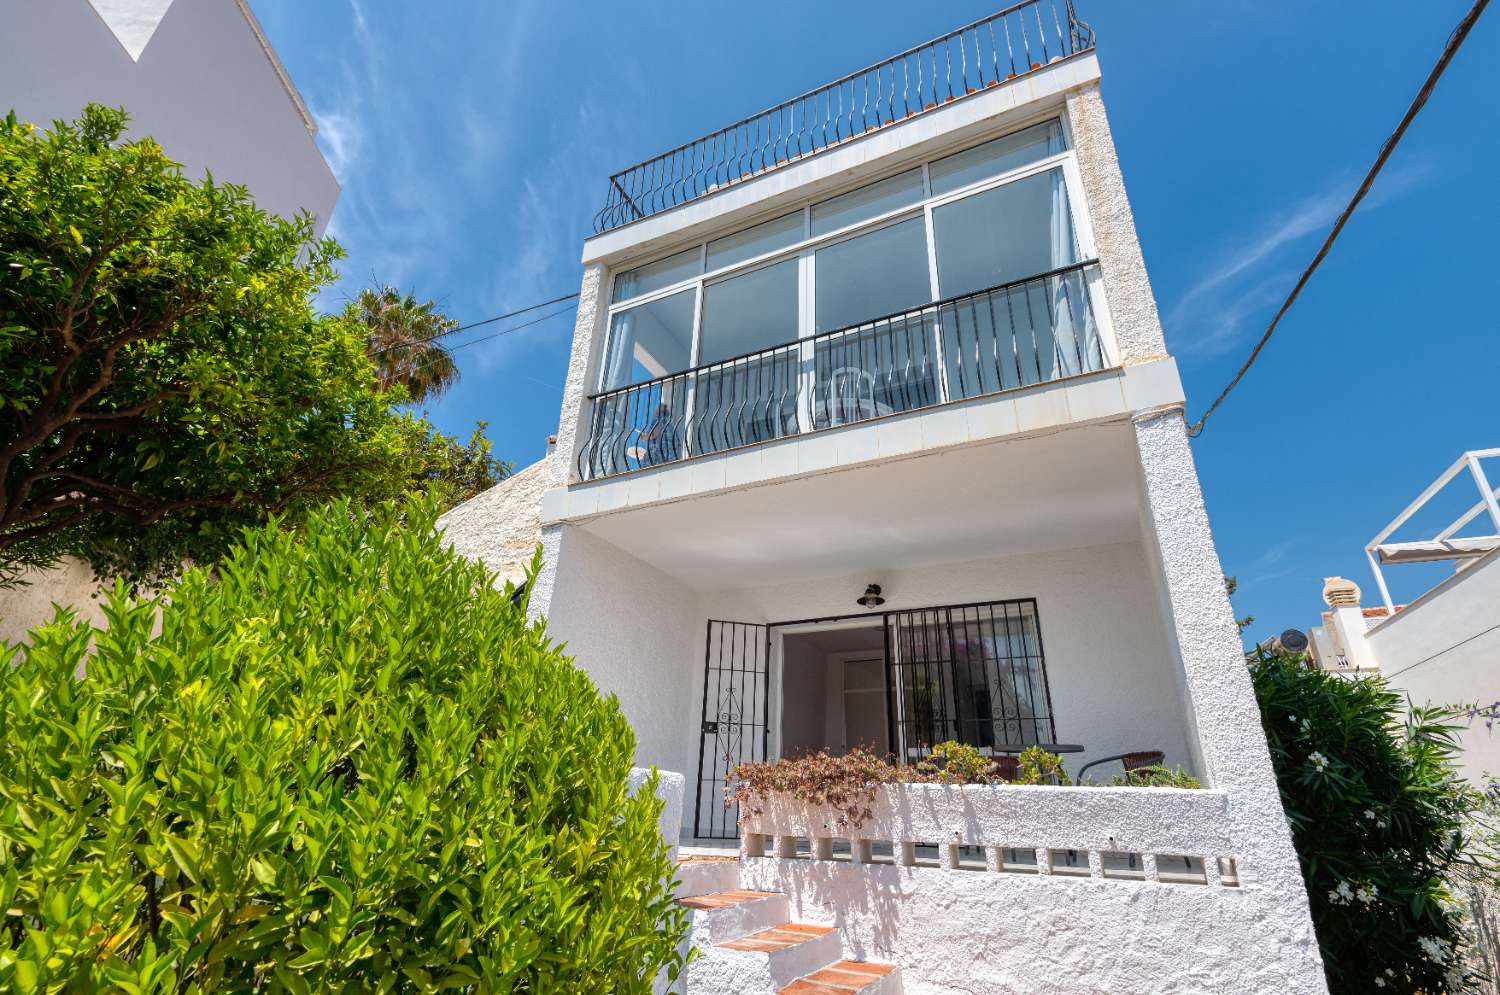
1446,544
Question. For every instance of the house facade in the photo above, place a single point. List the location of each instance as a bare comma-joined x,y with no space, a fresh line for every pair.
1440,648
870,436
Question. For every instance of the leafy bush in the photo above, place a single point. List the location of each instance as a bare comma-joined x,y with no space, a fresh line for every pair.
345,763
1156,776
953,762
1378,817
1036,766
845,784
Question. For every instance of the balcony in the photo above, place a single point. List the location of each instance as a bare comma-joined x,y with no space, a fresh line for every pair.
1018,40
1019,334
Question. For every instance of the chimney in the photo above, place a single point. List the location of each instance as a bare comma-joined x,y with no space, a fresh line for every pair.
1342,597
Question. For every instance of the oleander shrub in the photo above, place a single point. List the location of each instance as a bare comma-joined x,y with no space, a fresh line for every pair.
1378,815
346,762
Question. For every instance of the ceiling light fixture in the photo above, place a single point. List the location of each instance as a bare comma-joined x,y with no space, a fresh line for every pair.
871,598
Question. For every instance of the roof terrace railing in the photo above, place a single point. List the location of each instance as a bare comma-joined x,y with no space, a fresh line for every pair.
1011,43
1447,545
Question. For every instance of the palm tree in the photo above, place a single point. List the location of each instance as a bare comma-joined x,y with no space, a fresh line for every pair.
404,342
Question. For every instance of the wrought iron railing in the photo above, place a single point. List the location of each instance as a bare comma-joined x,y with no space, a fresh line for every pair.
1015,335
975,57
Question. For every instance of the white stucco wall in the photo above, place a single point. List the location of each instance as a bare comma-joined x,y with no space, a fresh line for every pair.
502,526
1215,679
1444,649
633,629
960,932
70,584
205,87
1132,306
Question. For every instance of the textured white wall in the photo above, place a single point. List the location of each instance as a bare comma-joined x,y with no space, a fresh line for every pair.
1444,649
979,933
1132,306
204,88
633,629
70,584
583,363
1216,681
502,526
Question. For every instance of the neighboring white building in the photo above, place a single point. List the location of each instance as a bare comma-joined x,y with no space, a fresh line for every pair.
1444,647
897,333
200,77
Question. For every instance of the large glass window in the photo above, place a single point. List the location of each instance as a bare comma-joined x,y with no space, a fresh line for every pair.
650,341
759,377
1033,331
749,312
868,202
662,273
1006,233
994,158
757,241
873,274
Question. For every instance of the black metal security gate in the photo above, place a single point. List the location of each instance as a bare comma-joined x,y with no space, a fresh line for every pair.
974,673
736,718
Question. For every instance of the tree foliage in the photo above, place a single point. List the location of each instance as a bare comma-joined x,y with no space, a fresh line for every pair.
404,342
164,379
345,762
1378,816
452,471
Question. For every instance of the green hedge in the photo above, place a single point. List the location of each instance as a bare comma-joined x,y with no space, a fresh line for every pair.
345,763
1378,815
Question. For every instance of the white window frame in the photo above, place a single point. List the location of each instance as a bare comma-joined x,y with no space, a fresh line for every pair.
806,250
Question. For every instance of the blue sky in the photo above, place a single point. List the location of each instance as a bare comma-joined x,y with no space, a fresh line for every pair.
473,141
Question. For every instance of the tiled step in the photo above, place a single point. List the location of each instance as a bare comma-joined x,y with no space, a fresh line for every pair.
791,950
703,875
728,915
849,977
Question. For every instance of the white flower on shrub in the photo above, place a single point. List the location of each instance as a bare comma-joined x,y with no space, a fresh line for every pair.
1379,982
1319,762
1370,814
1367,894
1438,951
1342,895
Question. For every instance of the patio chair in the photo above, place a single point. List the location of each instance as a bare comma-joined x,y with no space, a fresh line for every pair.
1129,761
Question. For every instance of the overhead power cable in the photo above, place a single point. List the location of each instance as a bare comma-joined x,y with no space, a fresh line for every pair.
1455,40
477,324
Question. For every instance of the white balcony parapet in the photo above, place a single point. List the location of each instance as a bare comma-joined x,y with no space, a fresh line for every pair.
1162,835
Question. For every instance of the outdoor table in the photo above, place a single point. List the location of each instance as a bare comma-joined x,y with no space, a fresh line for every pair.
1049,747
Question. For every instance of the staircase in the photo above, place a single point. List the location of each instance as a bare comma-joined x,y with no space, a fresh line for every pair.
748,945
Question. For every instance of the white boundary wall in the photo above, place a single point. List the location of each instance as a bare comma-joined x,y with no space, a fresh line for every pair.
983,921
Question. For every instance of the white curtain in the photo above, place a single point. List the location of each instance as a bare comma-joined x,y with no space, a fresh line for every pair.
1066,349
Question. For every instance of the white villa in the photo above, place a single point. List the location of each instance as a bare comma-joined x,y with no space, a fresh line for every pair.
1443,648
870,436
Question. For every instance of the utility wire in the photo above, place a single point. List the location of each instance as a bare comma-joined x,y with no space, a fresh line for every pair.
476,324
1455,40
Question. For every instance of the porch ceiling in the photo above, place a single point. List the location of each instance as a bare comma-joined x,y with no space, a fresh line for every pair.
1075,487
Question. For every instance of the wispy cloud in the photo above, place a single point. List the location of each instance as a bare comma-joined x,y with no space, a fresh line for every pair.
1249,278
